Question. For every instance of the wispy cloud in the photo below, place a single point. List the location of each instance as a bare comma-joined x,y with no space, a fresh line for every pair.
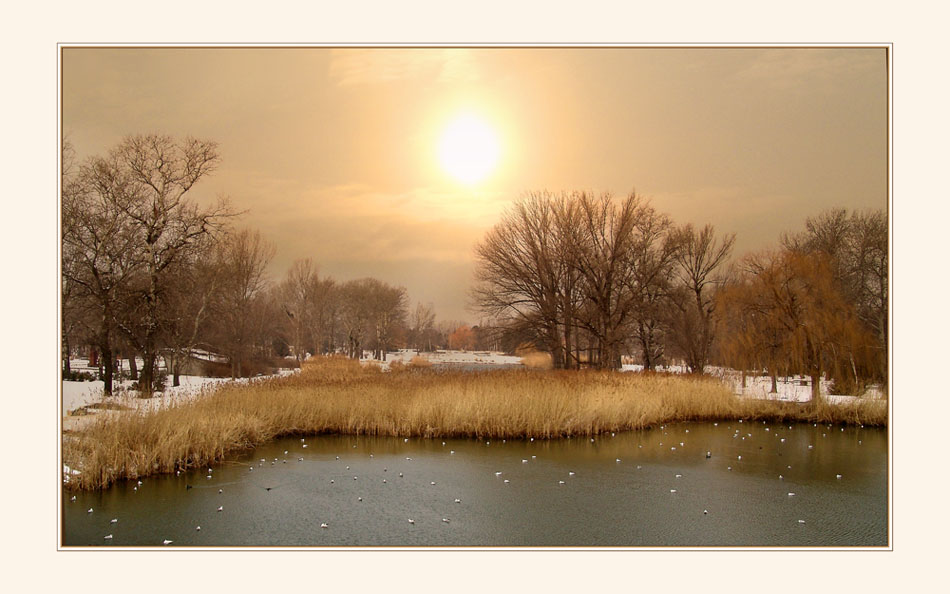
797,69
368,66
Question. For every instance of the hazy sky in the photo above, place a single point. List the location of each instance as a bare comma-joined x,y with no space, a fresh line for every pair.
334,153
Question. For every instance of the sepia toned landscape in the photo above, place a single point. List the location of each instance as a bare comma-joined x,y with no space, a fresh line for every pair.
475,297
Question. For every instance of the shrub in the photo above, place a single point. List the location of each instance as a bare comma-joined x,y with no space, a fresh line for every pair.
79,376
537,360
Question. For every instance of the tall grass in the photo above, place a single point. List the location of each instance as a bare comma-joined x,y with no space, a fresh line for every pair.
340,396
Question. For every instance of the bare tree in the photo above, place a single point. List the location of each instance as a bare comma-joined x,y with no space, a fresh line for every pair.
99,250
141,188
189,305
421,327
699,256
517,271
243,258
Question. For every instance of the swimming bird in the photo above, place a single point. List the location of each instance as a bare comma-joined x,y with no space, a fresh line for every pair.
285,452
618,459
73,498
209,476
446,520
801,521
506,480
167,542
220,508
705,512
708,455
188,487
299,459
400,474
140,483
114,520
498,473
305,445
679,476
359,499
838,476
432,483
524,461
560,482
672,490
331,481
89,511
220,490
451,451
250,469
458,500
198,528
323,525
791,494
570,473
739,458
411,521
107,537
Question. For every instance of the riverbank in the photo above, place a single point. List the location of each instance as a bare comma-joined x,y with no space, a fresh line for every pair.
340,396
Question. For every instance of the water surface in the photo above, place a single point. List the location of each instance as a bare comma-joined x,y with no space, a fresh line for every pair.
644,488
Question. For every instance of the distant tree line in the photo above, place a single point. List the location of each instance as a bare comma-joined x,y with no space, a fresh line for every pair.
148,273
591,279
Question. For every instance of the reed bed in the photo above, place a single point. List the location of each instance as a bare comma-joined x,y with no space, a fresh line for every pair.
340,396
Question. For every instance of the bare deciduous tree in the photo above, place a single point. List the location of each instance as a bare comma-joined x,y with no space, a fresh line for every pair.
243,258
699,256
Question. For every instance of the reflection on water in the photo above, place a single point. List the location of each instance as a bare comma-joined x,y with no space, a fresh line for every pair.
762,485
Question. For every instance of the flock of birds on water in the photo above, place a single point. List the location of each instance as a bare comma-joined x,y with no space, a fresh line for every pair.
739,434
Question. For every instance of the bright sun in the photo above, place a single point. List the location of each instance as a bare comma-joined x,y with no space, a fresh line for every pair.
468,149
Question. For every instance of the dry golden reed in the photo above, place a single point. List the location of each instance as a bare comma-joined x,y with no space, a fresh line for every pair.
335,395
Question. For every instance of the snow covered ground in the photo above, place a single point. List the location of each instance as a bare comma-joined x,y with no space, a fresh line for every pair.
463,357
77,395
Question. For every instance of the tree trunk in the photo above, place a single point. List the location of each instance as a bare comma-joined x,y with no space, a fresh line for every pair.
816,386
133,367
147,375
176,371
774,383
66,368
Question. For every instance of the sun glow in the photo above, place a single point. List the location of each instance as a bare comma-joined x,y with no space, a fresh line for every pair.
468,149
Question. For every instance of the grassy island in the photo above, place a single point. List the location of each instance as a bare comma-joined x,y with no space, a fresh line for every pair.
335,395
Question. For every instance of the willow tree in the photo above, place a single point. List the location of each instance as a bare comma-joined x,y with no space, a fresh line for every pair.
796,301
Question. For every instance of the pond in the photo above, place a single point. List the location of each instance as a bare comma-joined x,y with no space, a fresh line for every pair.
688,484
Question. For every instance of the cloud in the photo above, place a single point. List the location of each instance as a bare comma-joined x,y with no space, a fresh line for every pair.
799,69
368,66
